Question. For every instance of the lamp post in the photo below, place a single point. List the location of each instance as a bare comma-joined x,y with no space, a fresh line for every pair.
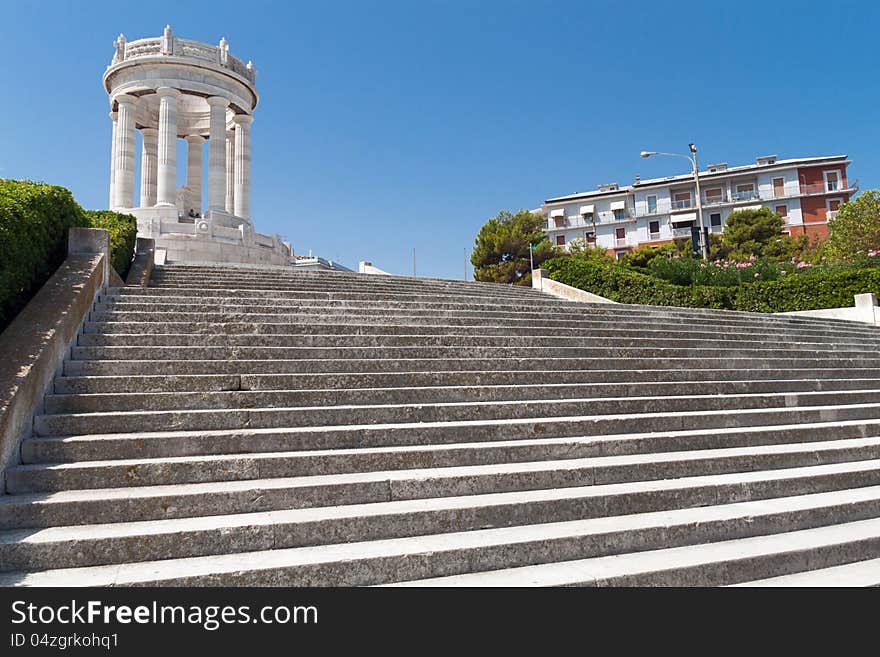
693,160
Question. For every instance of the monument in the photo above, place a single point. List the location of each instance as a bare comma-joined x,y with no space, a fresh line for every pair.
168,89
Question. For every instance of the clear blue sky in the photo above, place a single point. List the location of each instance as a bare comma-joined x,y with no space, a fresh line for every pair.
385,125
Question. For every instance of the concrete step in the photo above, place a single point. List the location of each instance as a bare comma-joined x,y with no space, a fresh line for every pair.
709,564
446,341
170,294
446,555
619,350
92,545
352,326
130,504
828,379
858,573
201,399
439,446
386,365
472,319
412,482
327,415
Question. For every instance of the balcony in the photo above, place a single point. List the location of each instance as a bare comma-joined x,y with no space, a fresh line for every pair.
682,205
681,232
833,188
751,195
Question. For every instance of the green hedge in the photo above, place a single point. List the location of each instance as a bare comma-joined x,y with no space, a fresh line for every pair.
808,291
625,286
34,220
801,292
123,233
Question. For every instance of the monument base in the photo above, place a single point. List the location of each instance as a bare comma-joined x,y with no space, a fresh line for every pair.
216,237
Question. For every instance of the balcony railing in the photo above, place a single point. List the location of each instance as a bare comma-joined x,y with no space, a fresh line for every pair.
682,204
681,232
653,236
833,188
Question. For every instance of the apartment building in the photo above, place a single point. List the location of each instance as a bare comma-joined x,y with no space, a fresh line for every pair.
806,192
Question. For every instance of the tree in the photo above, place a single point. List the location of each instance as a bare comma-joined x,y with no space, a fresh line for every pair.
856,228
755,232
579,247
501,250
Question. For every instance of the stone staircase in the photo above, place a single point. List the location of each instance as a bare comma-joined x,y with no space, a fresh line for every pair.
247,426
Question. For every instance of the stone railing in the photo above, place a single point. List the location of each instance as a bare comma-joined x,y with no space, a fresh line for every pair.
171,45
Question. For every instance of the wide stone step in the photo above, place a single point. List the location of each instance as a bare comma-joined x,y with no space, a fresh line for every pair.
636,350
351,326
91,545
858,573
323,489
457,318
200,399
327,415
687,429
130,504
448,341
166,293
708,564
632,540
825,379
524,365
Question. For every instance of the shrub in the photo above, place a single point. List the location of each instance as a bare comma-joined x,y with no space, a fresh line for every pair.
625,286
123,233
808,291
34,221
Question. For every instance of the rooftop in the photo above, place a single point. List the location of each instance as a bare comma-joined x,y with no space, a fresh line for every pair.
685,177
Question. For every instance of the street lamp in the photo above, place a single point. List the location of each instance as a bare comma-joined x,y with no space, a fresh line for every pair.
693,160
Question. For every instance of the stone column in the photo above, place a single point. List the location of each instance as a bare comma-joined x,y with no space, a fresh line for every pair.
123,174
243,165
230,172
113,118
166,186
148,166
194,170
217,154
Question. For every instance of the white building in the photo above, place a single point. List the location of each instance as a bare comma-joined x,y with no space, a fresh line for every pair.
806,192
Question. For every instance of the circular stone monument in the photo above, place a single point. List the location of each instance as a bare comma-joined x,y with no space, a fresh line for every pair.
168,89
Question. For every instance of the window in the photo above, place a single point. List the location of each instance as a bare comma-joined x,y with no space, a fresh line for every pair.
560,222
832,181
590,236
745,188
715,220
560,240
834,204
779,187
652,204
714,195
620,236
782,210
654,230
619,215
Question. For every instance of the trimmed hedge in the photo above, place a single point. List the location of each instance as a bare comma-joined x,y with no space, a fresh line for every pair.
34,221
797,292
808,291
123,233
626,286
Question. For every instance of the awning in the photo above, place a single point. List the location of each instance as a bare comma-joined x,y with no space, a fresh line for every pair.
685,216
618,205
587,209
557,213
749,207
